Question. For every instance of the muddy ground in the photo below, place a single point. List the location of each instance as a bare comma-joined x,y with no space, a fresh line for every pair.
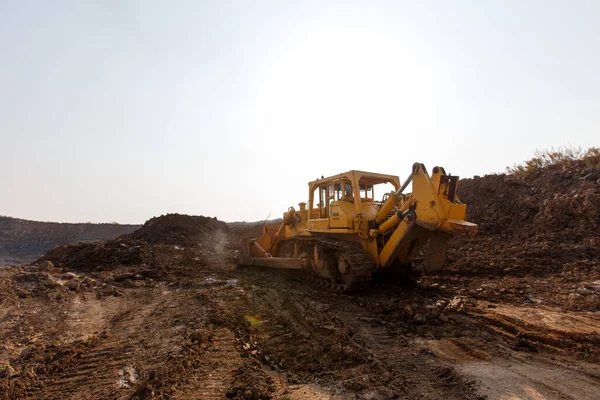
165,313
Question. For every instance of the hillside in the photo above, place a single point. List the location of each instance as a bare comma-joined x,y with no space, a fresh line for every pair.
22,241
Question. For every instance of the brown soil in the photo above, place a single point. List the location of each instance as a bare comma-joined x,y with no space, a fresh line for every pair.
179,230
164,313
538,240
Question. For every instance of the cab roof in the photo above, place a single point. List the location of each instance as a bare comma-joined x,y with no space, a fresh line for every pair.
362,177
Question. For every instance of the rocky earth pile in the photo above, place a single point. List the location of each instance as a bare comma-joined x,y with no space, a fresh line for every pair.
155,251
533,223
557,199
538,239
178,229
154,245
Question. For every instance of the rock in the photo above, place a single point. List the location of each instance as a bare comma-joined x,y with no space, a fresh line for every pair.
122,277
408,310
198,337
594,176
73,285
588,185
25,352
530,202
532,300
441,303
433,311
456,304
46,266
371,395
425,352
420,318
89,281
68,276
443,317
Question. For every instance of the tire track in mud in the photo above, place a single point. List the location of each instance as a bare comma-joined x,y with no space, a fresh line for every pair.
406,366
212,379
475,353
90,377
104,365
92,374
362,355
477,370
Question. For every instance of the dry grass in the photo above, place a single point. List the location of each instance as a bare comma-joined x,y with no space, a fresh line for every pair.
562,156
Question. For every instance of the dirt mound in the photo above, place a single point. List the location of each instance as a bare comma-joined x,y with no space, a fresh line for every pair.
544,225
162,242
557,199
178,229
98,255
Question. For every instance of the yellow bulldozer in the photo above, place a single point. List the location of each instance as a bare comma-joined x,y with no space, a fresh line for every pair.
343,235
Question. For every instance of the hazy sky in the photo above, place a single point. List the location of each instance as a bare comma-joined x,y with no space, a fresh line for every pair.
124,110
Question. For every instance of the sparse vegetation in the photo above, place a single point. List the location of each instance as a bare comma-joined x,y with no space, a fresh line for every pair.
562,156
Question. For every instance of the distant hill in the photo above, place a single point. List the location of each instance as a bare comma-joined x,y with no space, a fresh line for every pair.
23,241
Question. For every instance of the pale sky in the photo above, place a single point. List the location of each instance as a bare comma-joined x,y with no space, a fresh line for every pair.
125,110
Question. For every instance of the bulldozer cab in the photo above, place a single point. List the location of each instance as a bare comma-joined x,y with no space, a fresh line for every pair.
335,201
330,192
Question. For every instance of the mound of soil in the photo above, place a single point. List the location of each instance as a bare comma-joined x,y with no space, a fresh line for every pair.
553,200
178,229
543,226
160,243
550,217
98,255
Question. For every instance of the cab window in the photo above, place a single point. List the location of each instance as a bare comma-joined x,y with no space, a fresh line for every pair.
347,190
337,191
366,192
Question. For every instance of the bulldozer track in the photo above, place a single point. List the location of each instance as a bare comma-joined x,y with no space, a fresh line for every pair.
321,282
361,265
99,365
212,379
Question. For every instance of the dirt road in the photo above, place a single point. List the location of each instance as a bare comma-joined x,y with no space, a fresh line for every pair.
201,329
